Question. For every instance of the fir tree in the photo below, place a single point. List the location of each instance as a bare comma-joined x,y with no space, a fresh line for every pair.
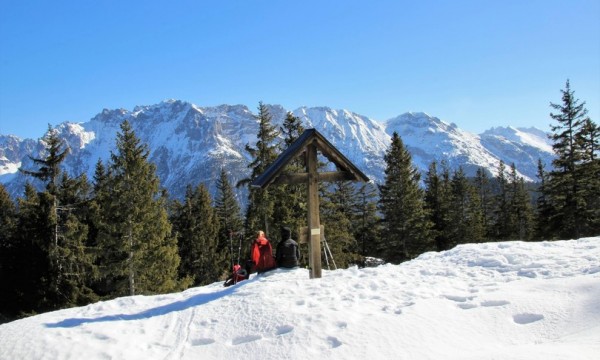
366,220
465,217
8,255
290,200
260,202
437,196
197,226
566,184
228,214
484,190
502,211
49,167
521,213
133,229
62,234
544,210
29,257
589,171
406,228
337,216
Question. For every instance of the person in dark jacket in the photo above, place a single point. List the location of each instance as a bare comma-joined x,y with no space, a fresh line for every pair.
288,255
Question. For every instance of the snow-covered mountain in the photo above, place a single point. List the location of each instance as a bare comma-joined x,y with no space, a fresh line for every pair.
190,144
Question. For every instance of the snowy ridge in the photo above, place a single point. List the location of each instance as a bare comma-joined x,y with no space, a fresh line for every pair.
507,300
190,144
429,138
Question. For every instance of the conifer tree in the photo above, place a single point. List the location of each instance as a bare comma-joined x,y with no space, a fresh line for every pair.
366,220
484,190
406,227
437,202
197,226
62,234
502,211
337,216
465,218
8,255
544,211
30,256
521,213
228,213
141,255
589,170
49,167
290,200
260,202
566,184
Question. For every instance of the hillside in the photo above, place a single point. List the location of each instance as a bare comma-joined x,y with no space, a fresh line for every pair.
508,300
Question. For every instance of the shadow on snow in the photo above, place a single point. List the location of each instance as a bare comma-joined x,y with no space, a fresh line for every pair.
196,300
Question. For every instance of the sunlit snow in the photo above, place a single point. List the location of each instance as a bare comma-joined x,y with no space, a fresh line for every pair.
507,300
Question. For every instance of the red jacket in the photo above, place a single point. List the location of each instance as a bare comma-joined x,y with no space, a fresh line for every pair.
237,274
262,254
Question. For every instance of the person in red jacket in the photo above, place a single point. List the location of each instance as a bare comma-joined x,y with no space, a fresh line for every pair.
236,276
261,254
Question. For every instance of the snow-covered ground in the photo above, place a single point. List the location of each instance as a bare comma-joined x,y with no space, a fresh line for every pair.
509,300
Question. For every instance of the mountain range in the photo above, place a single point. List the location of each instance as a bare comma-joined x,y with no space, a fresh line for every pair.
190,144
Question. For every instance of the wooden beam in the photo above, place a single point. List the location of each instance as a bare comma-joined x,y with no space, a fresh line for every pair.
314,227
302,178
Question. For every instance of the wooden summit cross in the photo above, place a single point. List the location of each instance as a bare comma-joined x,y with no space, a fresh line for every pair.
308,144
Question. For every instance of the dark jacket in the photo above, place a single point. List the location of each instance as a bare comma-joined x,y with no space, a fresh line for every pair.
288,255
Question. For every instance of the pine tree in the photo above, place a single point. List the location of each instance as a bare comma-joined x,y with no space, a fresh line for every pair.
544,210
337,216
141,255
30,256
521,213
49,167
437,196
406,228
8,223
566,184
290,200
502,208
465,217
197,226
62,234
366,220
589,171
228,213
260,202
484,190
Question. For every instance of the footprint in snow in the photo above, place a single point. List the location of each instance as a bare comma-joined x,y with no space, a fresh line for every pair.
457,298
342,324
527,318
245,339
491,303
467,306
333,341
202,341
284,329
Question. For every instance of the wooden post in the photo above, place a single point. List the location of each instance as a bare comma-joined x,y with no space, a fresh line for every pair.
314,227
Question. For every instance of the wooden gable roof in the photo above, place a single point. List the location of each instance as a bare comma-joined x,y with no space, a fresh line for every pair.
274,173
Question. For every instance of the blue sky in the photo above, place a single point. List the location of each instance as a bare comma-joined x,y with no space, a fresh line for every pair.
475,63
